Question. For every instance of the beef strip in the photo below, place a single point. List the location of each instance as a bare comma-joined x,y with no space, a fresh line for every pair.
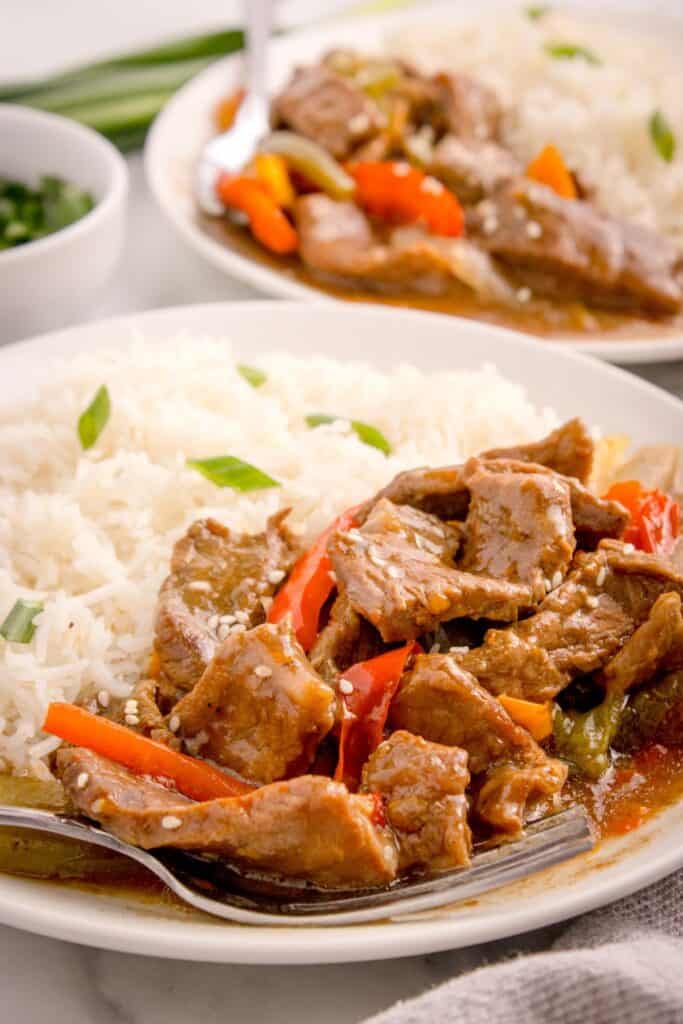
259,709
327,108
345,639
442,702
658,639
308,828
653,715
467,107
595,519
215,572
423,787
397,572
578,628
436,491
568,450
519,526
472,169
153,697
340,245
566,248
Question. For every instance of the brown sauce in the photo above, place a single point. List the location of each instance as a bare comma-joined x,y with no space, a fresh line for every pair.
552,320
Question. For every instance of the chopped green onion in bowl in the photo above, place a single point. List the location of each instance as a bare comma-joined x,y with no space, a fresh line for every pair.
229,471
18,626
94,419
252,375
662,136
365,432
27,214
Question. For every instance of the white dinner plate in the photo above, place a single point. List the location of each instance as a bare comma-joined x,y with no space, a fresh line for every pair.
185,124
604,396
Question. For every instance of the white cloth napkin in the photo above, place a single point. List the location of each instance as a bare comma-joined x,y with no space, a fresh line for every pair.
620,965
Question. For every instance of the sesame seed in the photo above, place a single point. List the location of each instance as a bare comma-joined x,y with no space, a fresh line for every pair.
199,585
263,671
170,822
401,169
629,549
523,294
103,698
490,225
332,575
557,579
99,805
130,707
431,186
394,572
354,533
132,720
359,123
174,723
345,687
547,584
276,576
592,601
534,229
82,780
602,576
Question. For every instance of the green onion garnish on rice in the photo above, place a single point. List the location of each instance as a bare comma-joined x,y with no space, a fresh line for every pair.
228,471
662,136
569,51
252,375
92,422
18,626
365,432
536,13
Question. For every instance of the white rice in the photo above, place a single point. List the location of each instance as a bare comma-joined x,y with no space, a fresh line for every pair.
90,534
598,116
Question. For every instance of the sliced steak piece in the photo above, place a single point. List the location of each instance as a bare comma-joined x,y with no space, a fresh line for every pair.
469,108
595,519
579,627
442,702
308,828
215,572
423,787
471,168
568,450
658,639
438,491
343,641
566,248
397,572
327,108
153,699
259,708
519,526
338,243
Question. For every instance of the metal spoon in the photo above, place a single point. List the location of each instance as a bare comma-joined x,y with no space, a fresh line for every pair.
232,151
222,890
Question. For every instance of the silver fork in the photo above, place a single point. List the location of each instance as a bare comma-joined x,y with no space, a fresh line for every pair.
232,150
219,889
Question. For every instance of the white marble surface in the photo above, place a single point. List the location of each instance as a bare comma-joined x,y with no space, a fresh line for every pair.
45,979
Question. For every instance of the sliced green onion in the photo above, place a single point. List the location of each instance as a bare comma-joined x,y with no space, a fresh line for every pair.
568,51
662,136
92,422
18,626
536,13
252,375
364,431
228,471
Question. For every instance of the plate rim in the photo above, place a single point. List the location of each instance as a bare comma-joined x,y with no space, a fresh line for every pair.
153,934
277,284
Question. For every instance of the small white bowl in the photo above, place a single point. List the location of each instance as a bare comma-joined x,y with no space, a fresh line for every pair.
49,282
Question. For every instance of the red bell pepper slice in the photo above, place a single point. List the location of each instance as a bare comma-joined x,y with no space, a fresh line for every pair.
401,194
366,708
309,585
655,516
